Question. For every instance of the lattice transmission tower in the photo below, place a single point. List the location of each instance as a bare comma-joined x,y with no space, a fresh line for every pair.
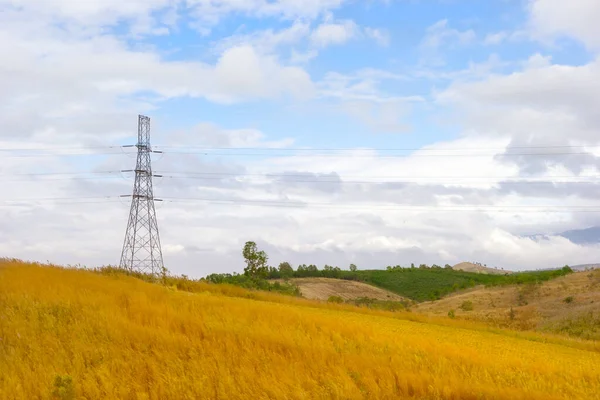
141,248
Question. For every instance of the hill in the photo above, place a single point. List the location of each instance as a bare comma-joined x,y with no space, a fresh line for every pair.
479,269
323,288
423,284
69,334
567,305
585,267
418,284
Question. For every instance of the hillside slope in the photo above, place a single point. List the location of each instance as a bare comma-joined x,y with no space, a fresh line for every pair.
78,334
569,304
323,288
480,269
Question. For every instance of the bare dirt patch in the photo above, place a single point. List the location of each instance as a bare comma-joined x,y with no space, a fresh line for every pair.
323,288
480,269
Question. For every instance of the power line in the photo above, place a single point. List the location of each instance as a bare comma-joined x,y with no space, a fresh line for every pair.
373,149
299,175
346,182
62,154
58,200
258,148
60,173
61,148
462,208
376,156
324,174
99,178
284,178
312,152
301,204
62,176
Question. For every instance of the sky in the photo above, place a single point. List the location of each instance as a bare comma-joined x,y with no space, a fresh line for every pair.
327,131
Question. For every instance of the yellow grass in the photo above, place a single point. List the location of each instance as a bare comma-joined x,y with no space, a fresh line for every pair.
118,337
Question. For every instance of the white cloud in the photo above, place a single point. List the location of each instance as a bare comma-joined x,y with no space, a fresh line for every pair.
50,73
382,37
361,97
211,135
213,10
440,36
383,117
345,219
303,40
334,33
538,61
579,20
357,222
303,57
502,37
543,104
495,38
205,13
242,73
362,85
267,41
552,89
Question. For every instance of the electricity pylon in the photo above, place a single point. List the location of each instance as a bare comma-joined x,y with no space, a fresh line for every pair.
141,248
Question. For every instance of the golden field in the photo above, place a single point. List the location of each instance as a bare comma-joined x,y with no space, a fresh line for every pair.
79,334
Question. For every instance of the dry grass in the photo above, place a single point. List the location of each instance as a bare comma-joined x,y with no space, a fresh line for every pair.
323,288
541,307
118,337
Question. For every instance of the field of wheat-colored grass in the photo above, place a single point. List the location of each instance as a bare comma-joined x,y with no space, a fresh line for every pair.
78,334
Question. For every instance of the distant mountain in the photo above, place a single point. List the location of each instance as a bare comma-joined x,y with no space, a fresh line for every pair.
584,267
583,236
577,236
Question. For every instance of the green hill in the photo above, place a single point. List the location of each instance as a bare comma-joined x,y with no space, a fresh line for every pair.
424,283
433,283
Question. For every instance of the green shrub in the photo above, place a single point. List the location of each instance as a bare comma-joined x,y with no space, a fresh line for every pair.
467,305
585,326
569,299
335,299
521,299
451,314
63,388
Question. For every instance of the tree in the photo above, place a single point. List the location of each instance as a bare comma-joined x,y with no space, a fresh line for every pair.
353,267
256,261
286,269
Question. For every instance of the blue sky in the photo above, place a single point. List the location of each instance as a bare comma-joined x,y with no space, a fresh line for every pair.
462,39
460,82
